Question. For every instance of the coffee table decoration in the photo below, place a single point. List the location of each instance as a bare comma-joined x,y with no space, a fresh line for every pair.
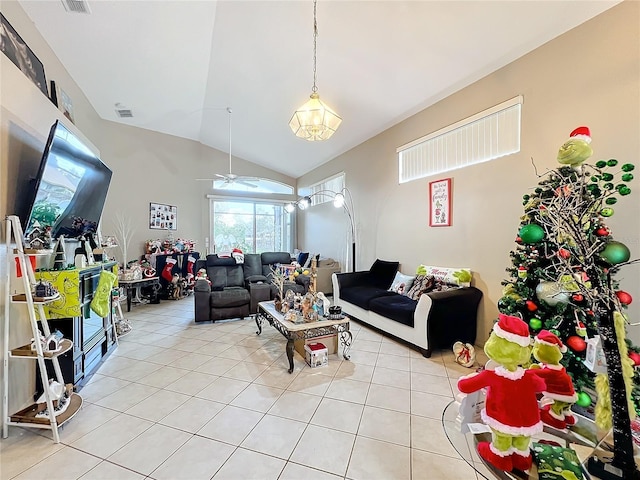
303,330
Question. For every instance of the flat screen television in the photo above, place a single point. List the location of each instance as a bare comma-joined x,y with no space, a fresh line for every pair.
70,188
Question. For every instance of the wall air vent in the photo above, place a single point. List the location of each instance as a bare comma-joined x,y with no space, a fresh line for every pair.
123,111
76,6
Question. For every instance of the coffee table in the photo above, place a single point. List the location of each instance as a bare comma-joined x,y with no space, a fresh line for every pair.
302,331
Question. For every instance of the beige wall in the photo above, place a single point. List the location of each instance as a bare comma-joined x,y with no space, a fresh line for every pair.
588,76
147,167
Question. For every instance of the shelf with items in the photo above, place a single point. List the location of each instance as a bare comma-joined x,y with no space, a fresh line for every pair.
26,351
33,413
58,403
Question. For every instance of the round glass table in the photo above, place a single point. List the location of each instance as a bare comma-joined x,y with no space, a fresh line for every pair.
584,437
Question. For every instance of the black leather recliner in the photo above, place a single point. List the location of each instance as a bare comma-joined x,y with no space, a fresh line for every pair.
257,268
227,296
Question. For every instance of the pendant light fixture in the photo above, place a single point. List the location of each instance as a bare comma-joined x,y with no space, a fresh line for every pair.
314,121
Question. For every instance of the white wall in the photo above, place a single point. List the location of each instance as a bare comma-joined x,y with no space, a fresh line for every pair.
588,76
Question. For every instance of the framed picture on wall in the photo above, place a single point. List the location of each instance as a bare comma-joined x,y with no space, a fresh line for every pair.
440,203
163,217
21,55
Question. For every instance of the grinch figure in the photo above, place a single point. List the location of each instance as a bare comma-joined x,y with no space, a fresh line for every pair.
559,395
511,408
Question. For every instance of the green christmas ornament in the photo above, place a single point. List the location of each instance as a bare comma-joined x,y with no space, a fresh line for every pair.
612,163
606,212
608,186
607,177
555,332
627,167
601,164
615,252
627,177
531,233
595,178
535,323
584,400
611,201
624,191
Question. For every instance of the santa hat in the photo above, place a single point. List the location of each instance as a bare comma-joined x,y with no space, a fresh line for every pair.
512,329
547,338
581,133
236,250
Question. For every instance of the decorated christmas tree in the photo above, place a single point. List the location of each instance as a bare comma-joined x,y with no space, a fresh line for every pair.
562,279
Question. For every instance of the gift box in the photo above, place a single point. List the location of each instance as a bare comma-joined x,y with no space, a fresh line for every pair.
316,354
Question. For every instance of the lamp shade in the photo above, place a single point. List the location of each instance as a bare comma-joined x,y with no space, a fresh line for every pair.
314,120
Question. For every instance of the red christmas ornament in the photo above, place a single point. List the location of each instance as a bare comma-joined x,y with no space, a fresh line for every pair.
635,357
518,240
578,297
624,297
577,344
602,232
531,306
564,253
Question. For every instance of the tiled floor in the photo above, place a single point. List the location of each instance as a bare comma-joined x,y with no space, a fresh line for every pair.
178,400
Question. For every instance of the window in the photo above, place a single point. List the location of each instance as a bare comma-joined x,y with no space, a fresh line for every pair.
485,136
252,226
333,184
254,185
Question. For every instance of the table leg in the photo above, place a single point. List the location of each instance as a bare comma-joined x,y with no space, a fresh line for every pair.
128,299
290,353
259,323
346,338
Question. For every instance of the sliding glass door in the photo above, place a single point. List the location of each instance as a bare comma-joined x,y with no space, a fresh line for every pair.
250,225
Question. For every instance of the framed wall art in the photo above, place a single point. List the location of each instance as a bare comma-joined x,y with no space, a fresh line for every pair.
440,203
163,217
61,100
21,55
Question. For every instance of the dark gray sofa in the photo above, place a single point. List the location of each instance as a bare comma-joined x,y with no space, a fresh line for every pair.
257,268
437,320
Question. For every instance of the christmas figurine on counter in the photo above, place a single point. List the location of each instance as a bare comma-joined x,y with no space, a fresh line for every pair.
559,395
511,407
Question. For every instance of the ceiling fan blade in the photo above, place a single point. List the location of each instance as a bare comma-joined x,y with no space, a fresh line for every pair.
221,176
248,179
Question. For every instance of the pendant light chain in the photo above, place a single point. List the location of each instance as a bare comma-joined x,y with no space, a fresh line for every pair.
315,42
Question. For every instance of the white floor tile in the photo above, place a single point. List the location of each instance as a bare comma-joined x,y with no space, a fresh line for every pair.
275,436
191,383
198,459
222,390
386,425
296,406
439,467
158,405
231,425
257,397
338,414
192,415
293,471
348,390
126,397
245,464
109,471
389,397
428,405
65,463
147,451
111,436
376,460
325,449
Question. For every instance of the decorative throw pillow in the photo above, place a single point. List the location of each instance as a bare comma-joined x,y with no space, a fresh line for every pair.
421,284
401,283
302,258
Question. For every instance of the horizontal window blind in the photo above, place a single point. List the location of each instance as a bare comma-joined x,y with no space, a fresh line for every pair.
485,136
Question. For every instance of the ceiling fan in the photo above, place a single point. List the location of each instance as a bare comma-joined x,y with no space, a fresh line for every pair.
229,179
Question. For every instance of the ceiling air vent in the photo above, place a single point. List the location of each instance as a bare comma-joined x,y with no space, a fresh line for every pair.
123,112
76,6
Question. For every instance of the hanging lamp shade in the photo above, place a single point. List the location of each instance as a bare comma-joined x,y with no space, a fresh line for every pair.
314,120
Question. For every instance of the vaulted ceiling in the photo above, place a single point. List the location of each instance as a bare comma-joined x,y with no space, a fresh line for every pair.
178,64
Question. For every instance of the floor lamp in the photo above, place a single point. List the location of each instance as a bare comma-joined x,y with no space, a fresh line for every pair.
341,199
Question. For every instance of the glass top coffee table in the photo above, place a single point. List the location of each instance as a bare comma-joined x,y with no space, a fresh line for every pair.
584,437
303,331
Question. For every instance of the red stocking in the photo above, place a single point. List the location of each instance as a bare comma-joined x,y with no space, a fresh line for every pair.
166,271
191,260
